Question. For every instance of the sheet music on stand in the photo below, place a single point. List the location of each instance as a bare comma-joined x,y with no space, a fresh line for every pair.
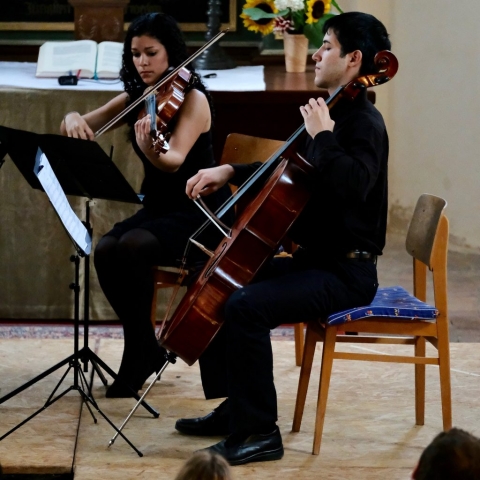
73,225
61,166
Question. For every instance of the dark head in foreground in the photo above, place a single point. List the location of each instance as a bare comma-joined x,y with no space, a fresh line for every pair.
452,455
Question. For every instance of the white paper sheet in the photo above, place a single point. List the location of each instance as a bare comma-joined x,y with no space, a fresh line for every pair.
58,199
239,79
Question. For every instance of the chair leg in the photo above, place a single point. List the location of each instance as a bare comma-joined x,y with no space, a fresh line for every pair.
153,311
445,384
325,373
299,342
420,350
305,371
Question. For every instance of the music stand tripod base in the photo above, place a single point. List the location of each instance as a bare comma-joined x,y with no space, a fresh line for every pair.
80,383
83,169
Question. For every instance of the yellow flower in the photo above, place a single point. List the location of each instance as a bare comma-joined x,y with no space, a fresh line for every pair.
264,25
316,9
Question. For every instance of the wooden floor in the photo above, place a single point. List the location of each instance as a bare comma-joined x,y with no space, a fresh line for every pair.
369,428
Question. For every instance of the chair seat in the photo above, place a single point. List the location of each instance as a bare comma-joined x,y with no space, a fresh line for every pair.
389,302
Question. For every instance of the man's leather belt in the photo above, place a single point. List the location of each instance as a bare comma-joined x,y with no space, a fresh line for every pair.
361,255
302,252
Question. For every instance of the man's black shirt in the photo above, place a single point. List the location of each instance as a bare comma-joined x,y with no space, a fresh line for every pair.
348,208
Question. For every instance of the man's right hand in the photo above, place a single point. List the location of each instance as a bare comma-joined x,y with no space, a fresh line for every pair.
316,115
208,180
75,126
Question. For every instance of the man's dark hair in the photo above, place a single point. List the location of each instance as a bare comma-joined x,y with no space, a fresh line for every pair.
452,455
359,31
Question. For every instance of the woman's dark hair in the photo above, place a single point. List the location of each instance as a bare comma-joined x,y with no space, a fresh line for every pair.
166,30
359,31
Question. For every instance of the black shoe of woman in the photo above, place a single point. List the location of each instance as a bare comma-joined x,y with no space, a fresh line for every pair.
131,379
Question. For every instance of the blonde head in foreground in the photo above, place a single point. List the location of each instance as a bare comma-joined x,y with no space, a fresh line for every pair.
205,465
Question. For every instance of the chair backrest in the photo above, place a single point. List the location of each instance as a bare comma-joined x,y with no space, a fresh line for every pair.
241,148
427,243
423,227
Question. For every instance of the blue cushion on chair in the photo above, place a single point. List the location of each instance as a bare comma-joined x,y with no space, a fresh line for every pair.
393,302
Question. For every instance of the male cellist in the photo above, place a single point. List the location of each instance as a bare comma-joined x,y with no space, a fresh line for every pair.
330,271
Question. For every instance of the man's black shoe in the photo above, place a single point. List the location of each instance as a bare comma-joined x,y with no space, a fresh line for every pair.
253,448
215,423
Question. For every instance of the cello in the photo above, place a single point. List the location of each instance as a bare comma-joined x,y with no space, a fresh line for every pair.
257,232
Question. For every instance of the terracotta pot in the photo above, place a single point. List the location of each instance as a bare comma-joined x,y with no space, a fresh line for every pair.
296,51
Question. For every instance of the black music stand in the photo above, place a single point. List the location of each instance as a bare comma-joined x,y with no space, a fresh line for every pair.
82,169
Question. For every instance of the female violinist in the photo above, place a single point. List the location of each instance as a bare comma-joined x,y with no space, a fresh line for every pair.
158,233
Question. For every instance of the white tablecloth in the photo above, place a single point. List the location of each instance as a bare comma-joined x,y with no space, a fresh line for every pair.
22,75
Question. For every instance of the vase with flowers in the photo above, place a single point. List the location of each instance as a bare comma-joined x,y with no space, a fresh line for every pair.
299,22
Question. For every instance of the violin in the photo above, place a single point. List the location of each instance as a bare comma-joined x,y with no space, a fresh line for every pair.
257,232
162,107
171,78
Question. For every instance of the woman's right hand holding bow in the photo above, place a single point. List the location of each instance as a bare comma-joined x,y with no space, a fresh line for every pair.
75,126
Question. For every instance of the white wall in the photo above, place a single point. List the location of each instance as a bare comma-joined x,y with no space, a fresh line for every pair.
432,109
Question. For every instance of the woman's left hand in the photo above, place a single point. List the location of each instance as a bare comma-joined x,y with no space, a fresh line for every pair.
142,134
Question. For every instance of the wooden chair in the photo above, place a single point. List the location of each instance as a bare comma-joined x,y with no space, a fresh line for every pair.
405,318
166,277
238,148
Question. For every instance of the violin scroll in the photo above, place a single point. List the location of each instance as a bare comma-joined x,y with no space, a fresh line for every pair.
160,143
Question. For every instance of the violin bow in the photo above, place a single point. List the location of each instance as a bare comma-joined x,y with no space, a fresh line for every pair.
161,82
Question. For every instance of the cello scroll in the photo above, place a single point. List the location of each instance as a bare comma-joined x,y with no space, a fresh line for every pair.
387,66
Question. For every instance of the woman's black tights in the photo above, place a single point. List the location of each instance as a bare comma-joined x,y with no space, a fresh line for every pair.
124,269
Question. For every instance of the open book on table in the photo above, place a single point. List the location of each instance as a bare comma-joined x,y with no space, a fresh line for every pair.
91,59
